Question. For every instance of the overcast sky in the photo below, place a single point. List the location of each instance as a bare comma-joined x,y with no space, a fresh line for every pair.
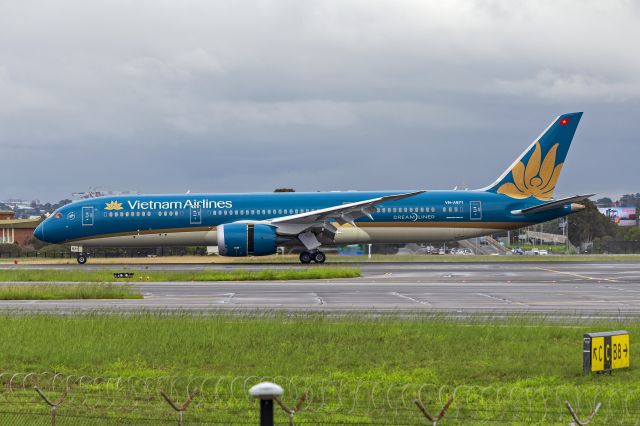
237,96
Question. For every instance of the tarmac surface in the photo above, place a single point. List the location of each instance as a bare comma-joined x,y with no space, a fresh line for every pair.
579,289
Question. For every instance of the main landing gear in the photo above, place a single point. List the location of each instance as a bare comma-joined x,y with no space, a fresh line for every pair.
82,258
314,256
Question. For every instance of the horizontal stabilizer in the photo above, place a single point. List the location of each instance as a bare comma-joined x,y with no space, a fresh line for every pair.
552,204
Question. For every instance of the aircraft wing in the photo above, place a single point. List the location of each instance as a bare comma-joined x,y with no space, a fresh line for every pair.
552,204
304,224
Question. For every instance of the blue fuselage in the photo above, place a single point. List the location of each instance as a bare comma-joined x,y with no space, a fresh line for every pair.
191,219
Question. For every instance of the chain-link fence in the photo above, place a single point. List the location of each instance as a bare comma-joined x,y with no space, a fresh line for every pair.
47,398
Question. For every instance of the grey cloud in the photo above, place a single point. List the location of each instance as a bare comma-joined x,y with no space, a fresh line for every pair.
246,96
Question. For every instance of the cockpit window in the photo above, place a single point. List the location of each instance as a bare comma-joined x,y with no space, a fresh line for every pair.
57,214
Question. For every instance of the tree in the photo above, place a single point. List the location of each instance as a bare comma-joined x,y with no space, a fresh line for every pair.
604,202
630,200
284,190
588,224
631,233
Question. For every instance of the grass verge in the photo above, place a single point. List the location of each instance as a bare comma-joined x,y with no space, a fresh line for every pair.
431,349
48,275
360,369
67,291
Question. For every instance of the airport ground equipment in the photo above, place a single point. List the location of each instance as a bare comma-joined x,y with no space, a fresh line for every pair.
607,351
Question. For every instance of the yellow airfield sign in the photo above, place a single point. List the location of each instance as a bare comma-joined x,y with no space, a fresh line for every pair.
606,351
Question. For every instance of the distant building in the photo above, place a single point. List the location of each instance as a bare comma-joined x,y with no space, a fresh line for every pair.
16,231
621,216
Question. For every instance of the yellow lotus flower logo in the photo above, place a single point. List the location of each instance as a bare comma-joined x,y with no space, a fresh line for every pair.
114,205
536,179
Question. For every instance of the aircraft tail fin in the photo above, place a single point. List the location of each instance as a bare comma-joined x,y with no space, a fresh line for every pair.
535,173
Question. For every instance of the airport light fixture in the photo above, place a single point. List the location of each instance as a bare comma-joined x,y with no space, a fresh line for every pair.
266,392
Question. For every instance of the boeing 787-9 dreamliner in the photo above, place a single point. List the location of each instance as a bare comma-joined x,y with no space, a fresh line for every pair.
255,224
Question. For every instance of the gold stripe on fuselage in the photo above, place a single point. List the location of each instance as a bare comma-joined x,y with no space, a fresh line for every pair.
494,226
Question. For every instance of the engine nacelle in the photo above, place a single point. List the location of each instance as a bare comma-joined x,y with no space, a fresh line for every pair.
246,239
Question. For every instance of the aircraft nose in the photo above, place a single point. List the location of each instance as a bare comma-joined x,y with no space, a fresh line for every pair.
39,232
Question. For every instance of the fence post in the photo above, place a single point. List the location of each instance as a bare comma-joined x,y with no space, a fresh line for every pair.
180,408
292,411
266,392
53,405
431,418
576,421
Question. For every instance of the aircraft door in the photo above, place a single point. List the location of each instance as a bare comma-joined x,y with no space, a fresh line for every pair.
195,216
476,210
87,216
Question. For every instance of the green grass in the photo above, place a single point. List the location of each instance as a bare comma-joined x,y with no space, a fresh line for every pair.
48,275
362,369
67,291
432,350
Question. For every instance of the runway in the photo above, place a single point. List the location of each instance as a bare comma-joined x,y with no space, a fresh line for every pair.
461,288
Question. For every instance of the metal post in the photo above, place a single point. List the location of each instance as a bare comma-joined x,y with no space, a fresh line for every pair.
266,412
292,411
578,422
431,418
53,405
266,392
180,408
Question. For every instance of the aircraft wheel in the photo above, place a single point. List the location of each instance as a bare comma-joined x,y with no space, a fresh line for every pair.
82,259
305,257
319,257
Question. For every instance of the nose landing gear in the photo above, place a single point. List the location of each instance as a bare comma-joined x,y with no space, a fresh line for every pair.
82,259
314,256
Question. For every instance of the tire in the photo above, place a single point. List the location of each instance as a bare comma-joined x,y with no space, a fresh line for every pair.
82,259
319,257
305,257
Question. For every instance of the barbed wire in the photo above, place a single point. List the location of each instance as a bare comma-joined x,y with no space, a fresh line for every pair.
226,399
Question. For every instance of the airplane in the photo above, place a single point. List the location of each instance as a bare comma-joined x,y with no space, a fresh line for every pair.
255,224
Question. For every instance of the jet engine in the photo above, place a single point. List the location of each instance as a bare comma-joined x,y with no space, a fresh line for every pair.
246,239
